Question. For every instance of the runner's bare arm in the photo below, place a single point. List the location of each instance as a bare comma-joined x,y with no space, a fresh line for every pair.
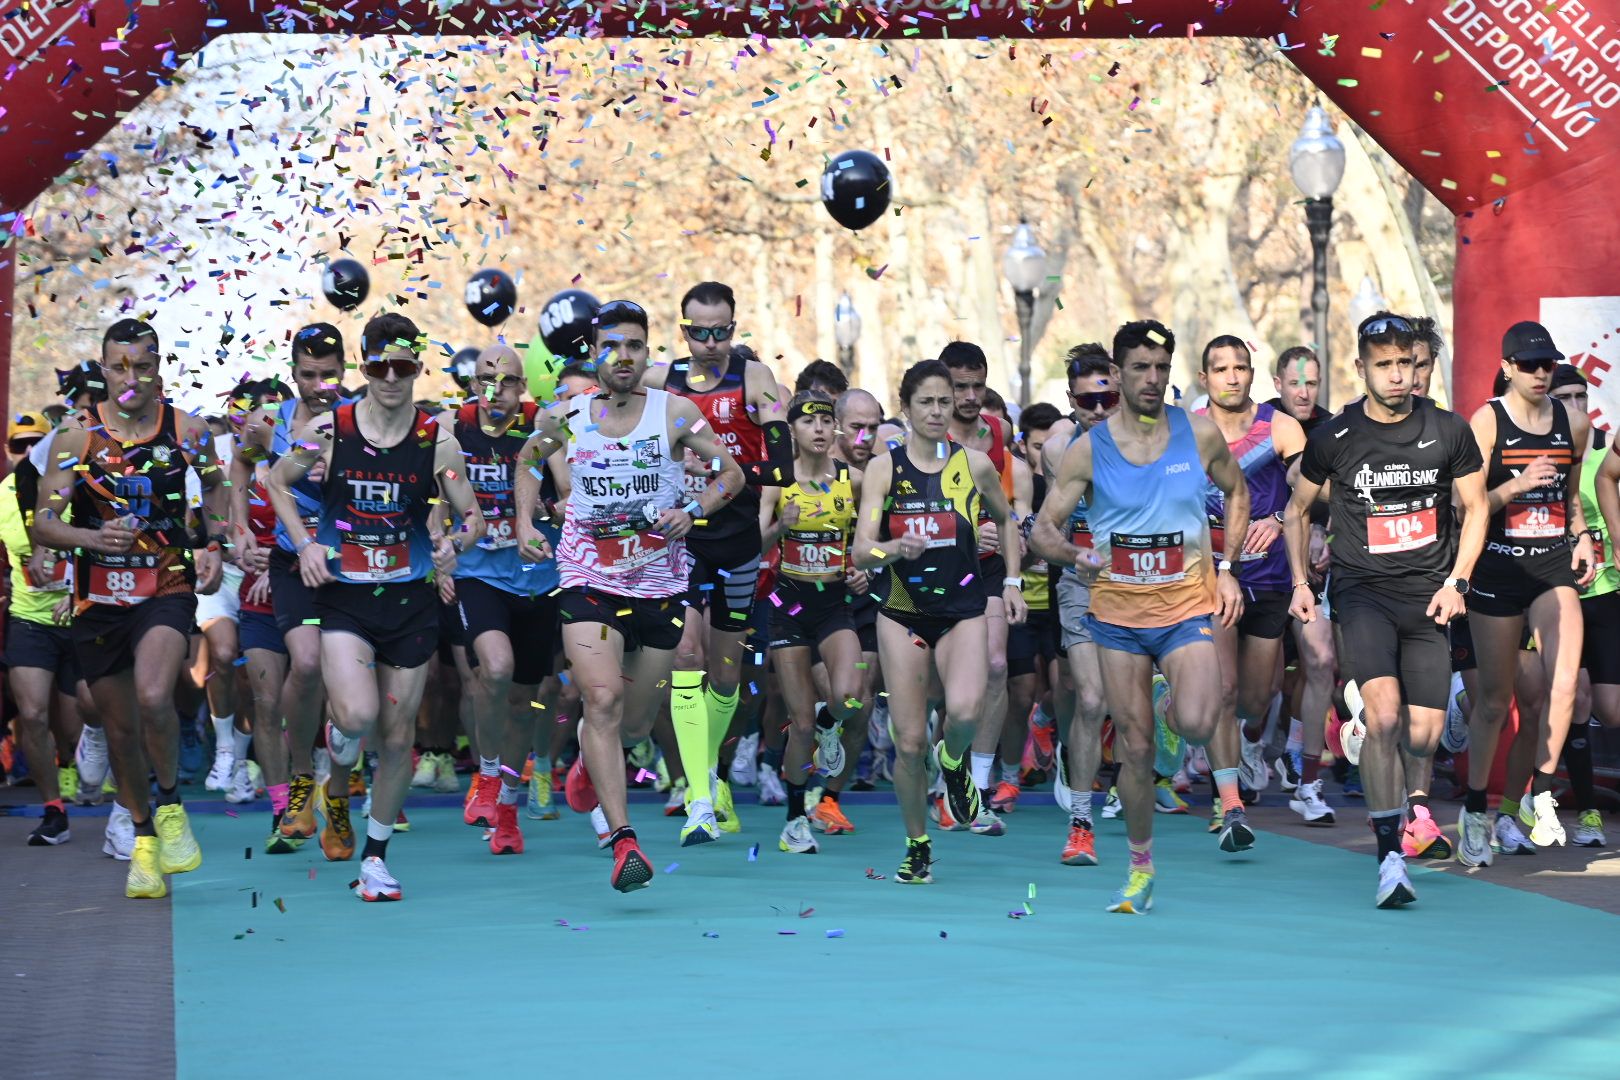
311,445
1057,443
1222,468
1608,493
451,468
252,447
549,441
204,458
1071,482
1289,440
1297,542
870,554
56,491
1011,537
1476,520
771,529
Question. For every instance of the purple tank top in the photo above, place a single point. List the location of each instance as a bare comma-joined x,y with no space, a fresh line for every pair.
1268,493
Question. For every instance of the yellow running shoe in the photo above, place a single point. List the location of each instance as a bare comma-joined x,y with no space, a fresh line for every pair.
67,781
725,811
1136,898
145,881
180,852
298,823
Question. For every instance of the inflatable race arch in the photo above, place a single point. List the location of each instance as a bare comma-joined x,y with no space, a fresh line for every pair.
1504,109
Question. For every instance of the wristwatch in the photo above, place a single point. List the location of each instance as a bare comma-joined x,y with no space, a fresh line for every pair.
1460,584
1223,565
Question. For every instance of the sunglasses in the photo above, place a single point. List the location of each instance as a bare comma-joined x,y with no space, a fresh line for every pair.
1544,363
402,367
1096,399
1383,326
21,446
505,382
710,333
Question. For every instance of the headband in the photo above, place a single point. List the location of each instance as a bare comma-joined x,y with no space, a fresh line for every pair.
809,408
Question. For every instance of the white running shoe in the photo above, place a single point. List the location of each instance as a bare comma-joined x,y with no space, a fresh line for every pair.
745,762
445,779
425,771
241,790
1510,839
676,803
797,837
771,791
1548,829
1454,736
599,822
701,826
1394,887
1253,772
1353,732
1474,839
829,758
1061,792
1112,807
1309,804
219,776
376,883
91,758
1589,830
988,823
322,759
119,841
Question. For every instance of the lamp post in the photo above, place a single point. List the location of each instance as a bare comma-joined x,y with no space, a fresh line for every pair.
846,331
1025,267
1316,161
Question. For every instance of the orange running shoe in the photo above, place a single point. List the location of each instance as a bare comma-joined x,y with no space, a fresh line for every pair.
508,838
940,811
471,793
581,793
1005,798
828,817
528,768
480,809
631,870
1081,848
298,823
337,839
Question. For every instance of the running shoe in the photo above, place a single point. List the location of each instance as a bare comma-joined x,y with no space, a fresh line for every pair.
241,790
480,809
828,817
298,823
1474,833
1182,781
725,810
1422,837
1112,807
401,822
1198,769
771,791
745,761
67,783
1169,749
91,758
797,837
444,775
579,791
1308,803
1041,744
1548,830
1136,898
604,833
940,813
1508,839
376,883
357,783
631,870
539,806
1252,770
1394,887
426,769
1165,799
987,823
1061,792
1235,832
1217,815
1589,830
191,749
917,867
276,844
829,759
1004,800
1352,783
219,775
508,838
145,880
1081,847
701,826
179,850
1454,736
52,829
961,793
1354,731
119,838
337,838
1287,773
675,805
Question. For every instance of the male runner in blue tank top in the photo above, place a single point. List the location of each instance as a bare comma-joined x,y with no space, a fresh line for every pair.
1142,473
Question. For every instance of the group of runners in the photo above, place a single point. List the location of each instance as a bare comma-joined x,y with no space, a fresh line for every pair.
659,560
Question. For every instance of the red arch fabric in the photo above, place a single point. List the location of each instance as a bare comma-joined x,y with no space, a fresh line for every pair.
1502,108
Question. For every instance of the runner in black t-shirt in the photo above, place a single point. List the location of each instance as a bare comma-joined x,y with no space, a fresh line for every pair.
1400,563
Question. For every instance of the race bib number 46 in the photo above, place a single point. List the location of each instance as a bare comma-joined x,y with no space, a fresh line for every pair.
1147,560
1401,527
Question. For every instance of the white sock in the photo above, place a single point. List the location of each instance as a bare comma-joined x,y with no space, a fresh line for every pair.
982,764
489,766
1296,735
1080,805
240,742
510,795
378,830
1009,773
224,728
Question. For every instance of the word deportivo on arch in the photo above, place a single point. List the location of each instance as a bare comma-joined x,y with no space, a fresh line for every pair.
1502,108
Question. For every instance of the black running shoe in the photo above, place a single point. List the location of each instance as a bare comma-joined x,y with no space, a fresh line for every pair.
52,831
1235,832
961,793
915,868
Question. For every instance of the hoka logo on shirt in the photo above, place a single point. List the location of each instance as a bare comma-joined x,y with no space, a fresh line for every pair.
374,496
1177,467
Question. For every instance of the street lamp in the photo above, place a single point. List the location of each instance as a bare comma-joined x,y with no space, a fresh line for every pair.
1025,267
1316,161
846,331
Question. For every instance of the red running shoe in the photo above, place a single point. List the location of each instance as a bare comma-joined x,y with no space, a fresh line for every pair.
508,838
480,809
630,868
581,793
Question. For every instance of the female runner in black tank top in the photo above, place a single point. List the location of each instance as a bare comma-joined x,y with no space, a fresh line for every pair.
1536,552
918,512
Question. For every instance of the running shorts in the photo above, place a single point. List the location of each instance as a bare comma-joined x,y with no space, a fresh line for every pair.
1265,614
1157,642
225,602
929,629
992,576
804,614
258,630
105,637
399,621
48,648
1506,585
1073,598
1388,635
529,623
724,574
1600,653
293,601
643,622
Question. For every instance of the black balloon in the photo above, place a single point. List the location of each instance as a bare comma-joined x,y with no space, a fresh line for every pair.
346,284
855,188
566,324
462,366
491,296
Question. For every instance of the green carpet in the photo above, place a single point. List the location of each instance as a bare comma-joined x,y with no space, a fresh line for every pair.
1274,963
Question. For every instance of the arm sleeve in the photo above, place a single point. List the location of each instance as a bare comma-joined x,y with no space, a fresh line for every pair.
27,491
777,468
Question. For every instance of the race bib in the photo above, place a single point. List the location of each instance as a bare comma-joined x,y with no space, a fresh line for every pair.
1400,527
375,554
1217,545
122,580
56,568
813,554
1534,521
499,533
1081,537
1147,560
623,552
936,527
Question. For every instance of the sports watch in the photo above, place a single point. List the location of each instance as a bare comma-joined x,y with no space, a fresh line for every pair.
1460,584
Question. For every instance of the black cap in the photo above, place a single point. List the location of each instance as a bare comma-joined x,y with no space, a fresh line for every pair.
1567,375
1529,341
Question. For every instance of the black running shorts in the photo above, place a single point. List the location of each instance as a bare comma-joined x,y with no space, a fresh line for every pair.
1265,614
529,623
105,637
293,601
803,614
1506,585
48,648
724,575
1600,653
400,621
1389,635
643,622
